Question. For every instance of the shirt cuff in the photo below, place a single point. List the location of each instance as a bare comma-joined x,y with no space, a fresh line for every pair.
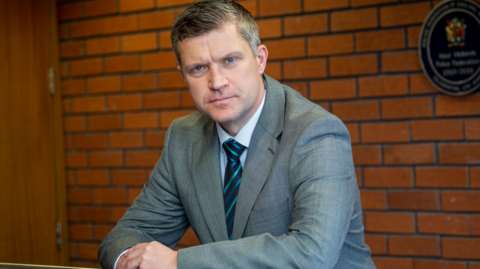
118,258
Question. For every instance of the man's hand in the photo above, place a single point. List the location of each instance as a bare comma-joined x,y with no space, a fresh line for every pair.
148,256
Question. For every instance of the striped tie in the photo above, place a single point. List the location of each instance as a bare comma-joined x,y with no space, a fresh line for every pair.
233,176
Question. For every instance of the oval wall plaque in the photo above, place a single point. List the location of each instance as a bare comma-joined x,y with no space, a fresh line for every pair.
449,47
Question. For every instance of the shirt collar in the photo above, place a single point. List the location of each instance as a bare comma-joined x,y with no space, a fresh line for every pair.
245,134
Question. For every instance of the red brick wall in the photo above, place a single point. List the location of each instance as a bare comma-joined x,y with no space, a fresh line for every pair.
416,150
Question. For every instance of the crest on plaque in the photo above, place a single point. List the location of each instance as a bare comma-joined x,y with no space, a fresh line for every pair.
456,32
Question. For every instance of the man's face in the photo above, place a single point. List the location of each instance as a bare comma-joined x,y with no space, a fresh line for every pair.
223,76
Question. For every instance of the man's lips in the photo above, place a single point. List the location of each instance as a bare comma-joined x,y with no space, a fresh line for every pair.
220,99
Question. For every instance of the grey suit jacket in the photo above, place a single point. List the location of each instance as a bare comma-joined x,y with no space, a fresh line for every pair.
298,204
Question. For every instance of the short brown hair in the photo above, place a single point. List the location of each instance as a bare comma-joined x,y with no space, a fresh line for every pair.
209,15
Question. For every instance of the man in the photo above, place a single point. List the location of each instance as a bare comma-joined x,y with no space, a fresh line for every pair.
264,177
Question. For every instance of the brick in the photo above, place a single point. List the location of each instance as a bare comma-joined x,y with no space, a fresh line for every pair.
366,155
392,263
306,24
472,129
144,158
373,199
472,265
67,106
88,104
78,159
278,7
121,24
70,178
333,89
353,131
71,49
109,196
79,196
475,222
169,80
389,222
64,69
128,177
140,82
97,141
140,120
100,7
413,34
80,231
301,69
459,153
414,246
103,45
377,243
437,130
300,87
104,122
72,213
356,110
362,64
380,40
94,214
189,238
72,87
420,85
413,200
385,132
68,12
315,5
169,3
382,86
461,248
330,45
274,70
404,14
404,108
441,177
121,64
166,117
86,28
156,20
250,5
409,154
118,212
158,61
132,194
100,231
74,124
285,48
457,106
135,5
475,177
443,224
468,201
103,84
106,159
400,61
86,67
387,177
125,140
164,37
68,142
155,139
269,28
353,19
88,251
124,102
357,3
427,264
139,42
92,177
63,31
161,100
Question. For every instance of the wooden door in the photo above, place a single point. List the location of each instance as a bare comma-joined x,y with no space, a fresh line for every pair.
32,190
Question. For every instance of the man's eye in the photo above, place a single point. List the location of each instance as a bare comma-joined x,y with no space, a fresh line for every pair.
229,60
198,68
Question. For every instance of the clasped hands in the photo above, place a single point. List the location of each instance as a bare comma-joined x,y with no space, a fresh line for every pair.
148,256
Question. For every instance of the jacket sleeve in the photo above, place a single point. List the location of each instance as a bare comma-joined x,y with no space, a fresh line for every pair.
156,214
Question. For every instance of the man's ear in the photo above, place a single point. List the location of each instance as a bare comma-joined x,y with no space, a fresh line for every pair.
179,68
262,55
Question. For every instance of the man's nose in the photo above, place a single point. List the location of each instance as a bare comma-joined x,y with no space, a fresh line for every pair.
217,80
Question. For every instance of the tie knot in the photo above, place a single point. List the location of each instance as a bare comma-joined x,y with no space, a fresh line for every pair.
233,149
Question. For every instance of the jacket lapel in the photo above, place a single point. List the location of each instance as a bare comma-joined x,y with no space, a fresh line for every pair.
207,181
260,155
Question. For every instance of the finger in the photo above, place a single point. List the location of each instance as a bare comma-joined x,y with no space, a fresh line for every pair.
134,263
